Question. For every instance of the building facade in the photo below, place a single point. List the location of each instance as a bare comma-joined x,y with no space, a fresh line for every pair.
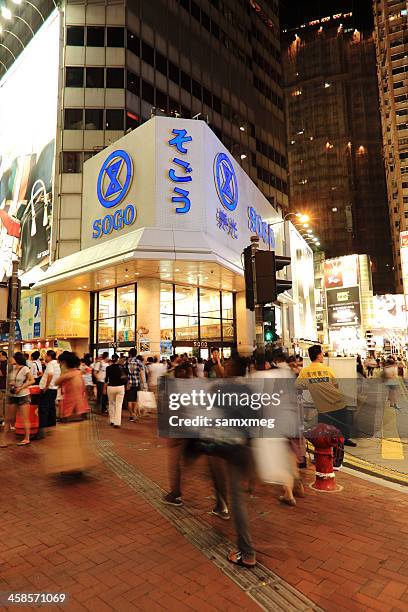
391,37
124,61
334,140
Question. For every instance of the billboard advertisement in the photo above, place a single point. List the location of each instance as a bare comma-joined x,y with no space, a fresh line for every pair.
390,312
404,260
302,286
341,272
28,124
343,307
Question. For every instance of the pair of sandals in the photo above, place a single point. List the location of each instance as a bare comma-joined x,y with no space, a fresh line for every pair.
22,443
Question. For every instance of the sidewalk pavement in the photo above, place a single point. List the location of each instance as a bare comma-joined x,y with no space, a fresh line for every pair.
110,548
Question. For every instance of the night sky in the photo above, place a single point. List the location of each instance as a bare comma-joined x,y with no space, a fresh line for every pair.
296,12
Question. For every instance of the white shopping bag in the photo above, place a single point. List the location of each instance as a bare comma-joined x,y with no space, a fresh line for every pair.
273,460
147,401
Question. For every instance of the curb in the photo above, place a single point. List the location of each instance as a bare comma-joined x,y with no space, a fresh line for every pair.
360,465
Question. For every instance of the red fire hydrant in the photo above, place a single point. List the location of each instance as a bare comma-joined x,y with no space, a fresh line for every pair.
324,438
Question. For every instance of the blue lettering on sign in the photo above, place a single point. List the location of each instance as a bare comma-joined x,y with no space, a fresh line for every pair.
226,181
182,173
113,183
115,221
260,227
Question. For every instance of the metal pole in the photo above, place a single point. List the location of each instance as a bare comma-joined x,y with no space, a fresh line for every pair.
13,299
259,333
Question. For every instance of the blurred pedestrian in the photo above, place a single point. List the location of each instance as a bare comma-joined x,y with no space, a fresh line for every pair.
116,381
19,398
73,402
390,376
86,371
154,371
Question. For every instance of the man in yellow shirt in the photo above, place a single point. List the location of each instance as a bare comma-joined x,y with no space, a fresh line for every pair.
320,380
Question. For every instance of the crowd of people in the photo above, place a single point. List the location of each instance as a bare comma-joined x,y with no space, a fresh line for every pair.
119,383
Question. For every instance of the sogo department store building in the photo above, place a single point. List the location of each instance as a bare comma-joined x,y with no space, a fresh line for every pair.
166,214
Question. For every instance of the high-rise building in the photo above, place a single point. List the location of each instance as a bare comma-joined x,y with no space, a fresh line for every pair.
122,61
336,171
391,36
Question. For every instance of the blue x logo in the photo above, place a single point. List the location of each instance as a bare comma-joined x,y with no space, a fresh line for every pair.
226,181
114,178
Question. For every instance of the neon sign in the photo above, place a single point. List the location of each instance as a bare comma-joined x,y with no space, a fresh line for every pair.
260,227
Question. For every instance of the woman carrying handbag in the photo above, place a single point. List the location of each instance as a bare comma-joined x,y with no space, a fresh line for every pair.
115,385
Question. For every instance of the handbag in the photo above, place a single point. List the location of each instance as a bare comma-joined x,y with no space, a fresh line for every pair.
147,400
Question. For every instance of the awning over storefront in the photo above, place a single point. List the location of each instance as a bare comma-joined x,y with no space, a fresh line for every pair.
142,245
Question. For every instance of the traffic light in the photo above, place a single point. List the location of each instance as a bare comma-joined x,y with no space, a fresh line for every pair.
281,285
268,286
269,333
268,316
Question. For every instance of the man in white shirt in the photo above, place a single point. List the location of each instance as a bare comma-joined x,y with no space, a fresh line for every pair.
99,371
48,415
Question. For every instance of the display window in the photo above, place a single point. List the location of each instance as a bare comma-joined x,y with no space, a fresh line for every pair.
191,318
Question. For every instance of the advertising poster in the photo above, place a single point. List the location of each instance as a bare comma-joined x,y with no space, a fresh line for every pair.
404,260
389,312
27,149
30,317
341,272
302,271
343,307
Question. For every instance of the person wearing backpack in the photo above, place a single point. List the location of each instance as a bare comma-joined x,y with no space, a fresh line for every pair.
35,366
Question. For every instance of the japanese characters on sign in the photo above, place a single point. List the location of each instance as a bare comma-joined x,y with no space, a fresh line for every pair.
226,223
181,173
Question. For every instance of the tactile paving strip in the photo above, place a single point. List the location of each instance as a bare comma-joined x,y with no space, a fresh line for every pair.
265,587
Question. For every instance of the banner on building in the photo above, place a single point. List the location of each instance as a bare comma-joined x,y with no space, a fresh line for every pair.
343,307
341,272
389,312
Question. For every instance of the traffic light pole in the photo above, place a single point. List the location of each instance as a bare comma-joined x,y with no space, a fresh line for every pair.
259,333
13,299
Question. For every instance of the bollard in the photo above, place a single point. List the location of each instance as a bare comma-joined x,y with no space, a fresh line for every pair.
324,437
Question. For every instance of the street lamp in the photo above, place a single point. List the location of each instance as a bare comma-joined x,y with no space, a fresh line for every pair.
302,218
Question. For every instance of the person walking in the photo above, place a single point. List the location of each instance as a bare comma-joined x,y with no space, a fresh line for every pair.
136,379
3,385
73,399
100,376
320,380
116,381
19,398
86,370
390,375
35,366
154,371
48,386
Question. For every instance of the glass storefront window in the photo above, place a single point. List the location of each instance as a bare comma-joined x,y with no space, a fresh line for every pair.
125,301
166,327
106,304
125,329
210,303
106,330
227,305
186,301
186,328
166,298
227,330
210,329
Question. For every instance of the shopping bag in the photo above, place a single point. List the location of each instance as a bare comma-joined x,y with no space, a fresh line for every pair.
147,401
273,460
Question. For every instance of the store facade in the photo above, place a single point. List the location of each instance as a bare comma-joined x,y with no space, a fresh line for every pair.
166,215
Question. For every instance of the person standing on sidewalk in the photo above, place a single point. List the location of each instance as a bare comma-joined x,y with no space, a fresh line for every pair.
48,386
116,381
3,385
135,381
35,366
19,398
213,367
100,376
320,380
